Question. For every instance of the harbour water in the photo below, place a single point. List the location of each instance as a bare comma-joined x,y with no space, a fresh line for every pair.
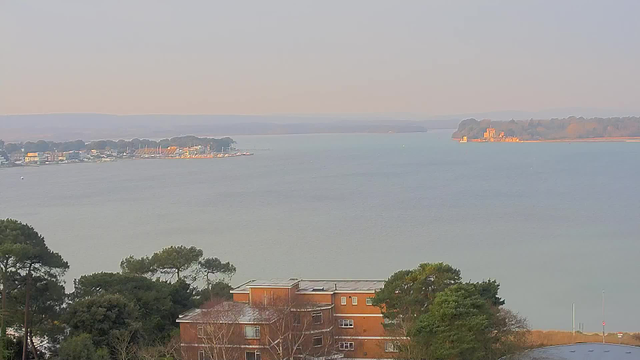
554,223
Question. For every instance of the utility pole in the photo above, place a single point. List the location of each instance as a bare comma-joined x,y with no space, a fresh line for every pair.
573,319
603,316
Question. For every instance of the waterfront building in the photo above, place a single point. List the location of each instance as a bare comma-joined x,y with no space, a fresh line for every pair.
35,158
291,318
490,134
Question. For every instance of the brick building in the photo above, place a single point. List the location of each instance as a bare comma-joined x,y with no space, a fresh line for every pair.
290,319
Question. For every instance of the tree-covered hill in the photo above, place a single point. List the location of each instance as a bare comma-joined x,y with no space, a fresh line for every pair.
554,129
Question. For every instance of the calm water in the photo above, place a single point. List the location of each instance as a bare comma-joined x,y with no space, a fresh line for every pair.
555,223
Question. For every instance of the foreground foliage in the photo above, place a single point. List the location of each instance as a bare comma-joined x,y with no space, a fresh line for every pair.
443,318
132,315
128,315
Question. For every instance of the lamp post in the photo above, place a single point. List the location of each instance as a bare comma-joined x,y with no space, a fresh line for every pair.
603,323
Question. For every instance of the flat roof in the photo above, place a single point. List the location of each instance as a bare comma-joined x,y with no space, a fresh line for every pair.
273,283
590,351
340,285
229,312
315,285
241,313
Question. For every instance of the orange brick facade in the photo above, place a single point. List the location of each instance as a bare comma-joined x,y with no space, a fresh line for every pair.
350,325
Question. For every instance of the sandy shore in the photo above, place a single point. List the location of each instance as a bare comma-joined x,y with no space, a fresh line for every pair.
601,139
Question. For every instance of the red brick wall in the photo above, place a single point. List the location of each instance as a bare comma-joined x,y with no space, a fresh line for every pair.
273,295
241,297
349,308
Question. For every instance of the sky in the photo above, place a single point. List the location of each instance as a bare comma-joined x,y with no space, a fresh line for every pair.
317,57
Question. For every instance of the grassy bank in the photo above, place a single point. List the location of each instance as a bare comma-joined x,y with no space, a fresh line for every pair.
539,338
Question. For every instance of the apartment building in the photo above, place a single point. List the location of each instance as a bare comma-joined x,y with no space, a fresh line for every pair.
290,319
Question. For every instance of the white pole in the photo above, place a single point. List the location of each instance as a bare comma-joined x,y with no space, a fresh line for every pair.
573,319
603,316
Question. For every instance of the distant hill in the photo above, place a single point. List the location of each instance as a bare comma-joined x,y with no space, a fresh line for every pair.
64,127
554,129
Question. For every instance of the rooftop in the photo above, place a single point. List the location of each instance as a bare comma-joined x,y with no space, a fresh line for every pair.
229,312
242,313
307,286
272,283
340,285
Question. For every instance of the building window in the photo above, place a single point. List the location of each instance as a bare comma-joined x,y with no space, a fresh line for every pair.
354,300
252,355
200,330
252,332
296,319
369,301
343,300
345,323
346,346
317,341
201,355
317,318
390,321
391,346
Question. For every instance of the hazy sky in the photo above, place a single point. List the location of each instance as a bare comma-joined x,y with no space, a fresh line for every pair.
266,57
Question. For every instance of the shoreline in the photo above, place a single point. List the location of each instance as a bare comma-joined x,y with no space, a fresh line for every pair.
125,158
600,139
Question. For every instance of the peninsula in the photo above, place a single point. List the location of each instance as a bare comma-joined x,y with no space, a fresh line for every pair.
567,129
44,152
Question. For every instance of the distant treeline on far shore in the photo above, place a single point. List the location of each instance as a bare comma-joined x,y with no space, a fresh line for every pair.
120,145
553,129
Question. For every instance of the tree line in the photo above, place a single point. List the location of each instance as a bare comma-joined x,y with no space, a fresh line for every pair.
123,315
131,314
553,129
119,145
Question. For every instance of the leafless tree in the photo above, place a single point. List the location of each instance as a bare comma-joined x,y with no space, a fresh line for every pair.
511,333
398,332
222,334
292,330
150,353
170,350
122,345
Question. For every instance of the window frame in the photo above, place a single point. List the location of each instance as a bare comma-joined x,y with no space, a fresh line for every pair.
200,330
369,301
256,355
317,314
346,323
201,355
391,349
388,321
346,346
343,301
354,300
256,328
313,341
